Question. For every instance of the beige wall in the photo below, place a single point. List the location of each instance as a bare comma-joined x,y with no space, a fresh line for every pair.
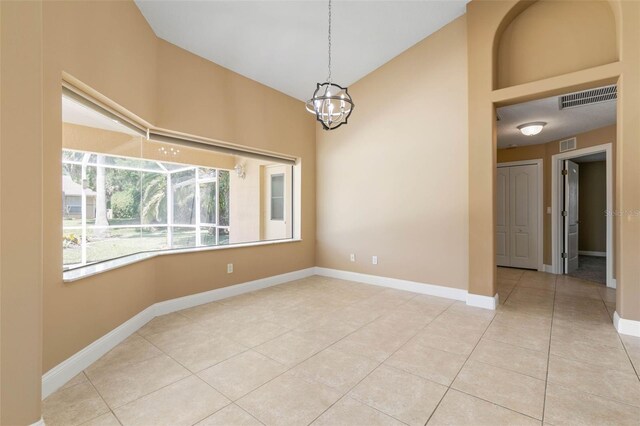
20,212
244,203
528,53
92,139
171,89
393,182
599,136
592,206
487,20
418,130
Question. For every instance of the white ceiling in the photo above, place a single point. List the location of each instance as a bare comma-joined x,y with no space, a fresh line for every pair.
560,123
283,44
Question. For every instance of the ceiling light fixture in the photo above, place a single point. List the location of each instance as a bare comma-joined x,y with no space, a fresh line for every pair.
532,129
331,103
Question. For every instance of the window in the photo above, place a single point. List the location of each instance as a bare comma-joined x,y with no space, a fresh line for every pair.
126,206
277,197
123,194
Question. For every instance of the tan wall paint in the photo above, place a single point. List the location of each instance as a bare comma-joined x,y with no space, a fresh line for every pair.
244,203
529,51
393,182
20,223
592,207
172,89
599,136
486,22
92,139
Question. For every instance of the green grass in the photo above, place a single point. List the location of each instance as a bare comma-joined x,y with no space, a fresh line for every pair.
124,241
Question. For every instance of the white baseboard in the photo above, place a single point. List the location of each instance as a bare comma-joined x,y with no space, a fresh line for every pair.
69,368
612,283
592,253
39,422
479,301
548,269
625,326
398,284
173,305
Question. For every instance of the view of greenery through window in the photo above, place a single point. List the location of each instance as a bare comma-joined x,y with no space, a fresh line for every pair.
115,206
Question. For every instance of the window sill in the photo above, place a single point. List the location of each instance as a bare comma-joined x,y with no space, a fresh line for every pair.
98,268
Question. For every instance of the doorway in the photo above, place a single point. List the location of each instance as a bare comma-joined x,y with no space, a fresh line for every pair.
574,222
579,127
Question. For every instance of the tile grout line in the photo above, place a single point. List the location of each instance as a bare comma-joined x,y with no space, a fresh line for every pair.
497,405
557,296
625,348
546,381
103,400
382,362
195,374
231,400
461,368
314,354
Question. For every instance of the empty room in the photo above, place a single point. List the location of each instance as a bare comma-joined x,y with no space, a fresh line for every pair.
319,212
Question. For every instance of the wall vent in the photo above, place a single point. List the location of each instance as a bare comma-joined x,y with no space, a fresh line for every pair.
567,144
589,97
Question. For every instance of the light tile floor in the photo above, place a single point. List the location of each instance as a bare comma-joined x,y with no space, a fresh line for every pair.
328,352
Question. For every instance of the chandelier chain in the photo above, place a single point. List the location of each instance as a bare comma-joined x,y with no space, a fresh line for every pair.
329,37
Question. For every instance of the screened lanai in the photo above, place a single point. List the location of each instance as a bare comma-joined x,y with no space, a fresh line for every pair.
130,205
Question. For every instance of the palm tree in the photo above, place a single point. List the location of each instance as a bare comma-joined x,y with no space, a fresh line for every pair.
154,198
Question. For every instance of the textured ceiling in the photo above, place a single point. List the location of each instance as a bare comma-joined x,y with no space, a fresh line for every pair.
560,123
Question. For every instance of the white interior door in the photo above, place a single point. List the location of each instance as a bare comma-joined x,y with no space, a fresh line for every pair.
523,216
570,213
502,217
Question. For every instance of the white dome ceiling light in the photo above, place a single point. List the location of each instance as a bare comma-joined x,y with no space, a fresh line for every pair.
531,129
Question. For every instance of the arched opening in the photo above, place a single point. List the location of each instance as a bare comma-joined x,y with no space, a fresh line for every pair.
550,38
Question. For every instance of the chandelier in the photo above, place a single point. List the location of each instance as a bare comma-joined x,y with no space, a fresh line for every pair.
331,103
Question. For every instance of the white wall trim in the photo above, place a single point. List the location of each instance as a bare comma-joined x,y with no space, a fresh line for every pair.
556,202
67,369
173,305
548,268
39,422
626,326
539,163
398,284
592,253
486,302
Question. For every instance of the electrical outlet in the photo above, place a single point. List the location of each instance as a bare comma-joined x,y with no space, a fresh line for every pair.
352,256
374,260
229,268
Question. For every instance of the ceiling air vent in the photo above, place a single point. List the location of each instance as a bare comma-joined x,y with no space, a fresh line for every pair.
567,144
589,97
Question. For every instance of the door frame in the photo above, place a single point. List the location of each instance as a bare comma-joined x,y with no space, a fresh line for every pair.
557,184
538,162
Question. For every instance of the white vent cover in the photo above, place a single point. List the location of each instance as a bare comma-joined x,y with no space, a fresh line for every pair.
567,144
589,97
